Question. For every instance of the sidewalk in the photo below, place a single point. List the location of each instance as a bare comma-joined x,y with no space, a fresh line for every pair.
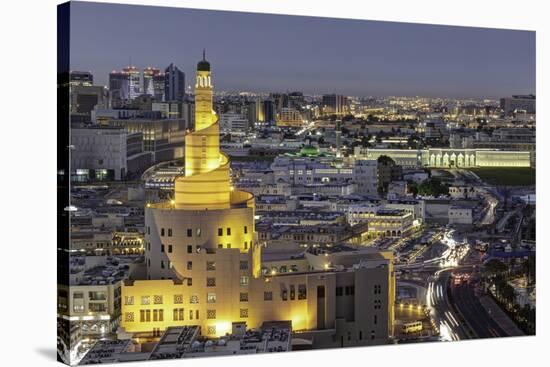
500,316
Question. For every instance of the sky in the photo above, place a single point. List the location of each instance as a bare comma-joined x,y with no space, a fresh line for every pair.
279,53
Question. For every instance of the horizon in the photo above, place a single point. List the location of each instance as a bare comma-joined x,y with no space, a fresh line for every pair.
399,59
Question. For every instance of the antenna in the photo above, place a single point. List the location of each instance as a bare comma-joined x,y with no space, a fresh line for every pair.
204,54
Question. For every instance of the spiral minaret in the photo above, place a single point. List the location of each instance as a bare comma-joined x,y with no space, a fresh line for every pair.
206,184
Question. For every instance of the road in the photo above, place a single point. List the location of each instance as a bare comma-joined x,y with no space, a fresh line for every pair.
466,300
441,310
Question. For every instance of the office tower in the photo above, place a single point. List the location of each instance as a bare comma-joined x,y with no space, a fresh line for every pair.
269,110
153,83
125,85
81,78
527,103
174,88
159,86
335,104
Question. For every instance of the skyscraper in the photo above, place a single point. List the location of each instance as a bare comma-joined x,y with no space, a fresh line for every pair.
81,78
153,83
269,111
125,85
335,104
174,79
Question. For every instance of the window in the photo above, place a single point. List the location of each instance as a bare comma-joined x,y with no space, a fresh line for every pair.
78,308
339,291
220,231
148,230
189,282
162,264
155,315
220,245
170,249
284,295
377,304
129,317
145,300
243,265
302,291
377,289
148,315
129,300
245,245
197,314
211,298
228,231
177,314
243,297
198,232
162,232
292,292
210,314
243,312
375,319
245,229
268,296
169,232
349,290
161,315
210,266
189,249
190,314
194,298
189,232
157,300
97,296
228,245
178,298
210,282
198,248
189,265
211,330
244,280
141,315
161,248
78,295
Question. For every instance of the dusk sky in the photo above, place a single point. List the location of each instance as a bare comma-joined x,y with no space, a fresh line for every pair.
264,53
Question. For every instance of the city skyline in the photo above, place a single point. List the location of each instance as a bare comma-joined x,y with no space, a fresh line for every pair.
402,59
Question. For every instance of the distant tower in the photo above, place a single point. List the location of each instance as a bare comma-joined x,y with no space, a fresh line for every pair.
174,84
338,138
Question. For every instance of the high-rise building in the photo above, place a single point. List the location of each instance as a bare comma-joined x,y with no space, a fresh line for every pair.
269,110
335,104
153,83
512,104
174,87
81,78
125,85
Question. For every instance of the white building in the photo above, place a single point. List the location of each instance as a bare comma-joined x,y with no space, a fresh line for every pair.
233,123
460,215
99,151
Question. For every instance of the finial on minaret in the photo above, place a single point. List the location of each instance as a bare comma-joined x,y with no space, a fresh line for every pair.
204,54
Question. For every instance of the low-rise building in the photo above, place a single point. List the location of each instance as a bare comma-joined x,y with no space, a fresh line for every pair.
460,215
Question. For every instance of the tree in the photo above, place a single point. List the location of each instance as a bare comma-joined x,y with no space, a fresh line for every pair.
433,187
495,267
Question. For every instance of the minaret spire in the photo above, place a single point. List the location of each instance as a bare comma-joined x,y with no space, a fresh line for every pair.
204,54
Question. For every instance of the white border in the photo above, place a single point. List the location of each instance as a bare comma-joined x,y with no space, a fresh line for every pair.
28,131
